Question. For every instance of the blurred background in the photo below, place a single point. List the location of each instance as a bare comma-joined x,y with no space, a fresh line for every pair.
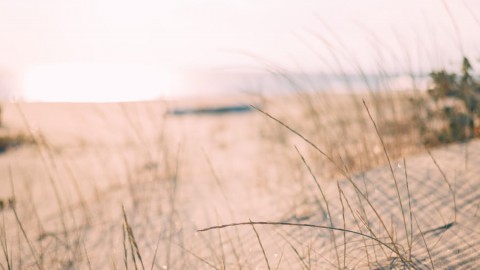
97,51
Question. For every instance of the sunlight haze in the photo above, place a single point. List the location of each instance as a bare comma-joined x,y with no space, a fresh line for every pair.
191,36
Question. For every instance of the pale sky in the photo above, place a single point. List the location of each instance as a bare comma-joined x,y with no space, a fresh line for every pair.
174,36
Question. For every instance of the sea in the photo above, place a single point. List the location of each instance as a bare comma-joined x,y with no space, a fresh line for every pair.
215,84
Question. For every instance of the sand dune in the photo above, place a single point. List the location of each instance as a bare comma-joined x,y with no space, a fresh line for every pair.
177,174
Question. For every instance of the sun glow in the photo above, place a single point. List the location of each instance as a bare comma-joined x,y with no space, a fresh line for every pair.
97,83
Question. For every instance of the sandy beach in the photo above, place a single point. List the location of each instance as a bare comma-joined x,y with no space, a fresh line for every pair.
173,175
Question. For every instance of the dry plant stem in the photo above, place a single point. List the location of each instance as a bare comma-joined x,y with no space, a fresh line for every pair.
132,253
47,167
208,241
28,190
227,203
455,26
125,250
279,260
346,175
230,210
425,243
300,225
30,246
391,168
217,181
449,186
410,243
86,255
173,199
364,220
4,243
344,227
155,254
302,137
196,256
235,253
220,242
326,204
83,201
342,72
261,246
132,240
137,130
299,256
358,226
20,250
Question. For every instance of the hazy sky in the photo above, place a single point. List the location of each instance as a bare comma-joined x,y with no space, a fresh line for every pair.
205,34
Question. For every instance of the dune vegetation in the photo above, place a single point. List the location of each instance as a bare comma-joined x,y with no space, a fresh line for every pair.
382,178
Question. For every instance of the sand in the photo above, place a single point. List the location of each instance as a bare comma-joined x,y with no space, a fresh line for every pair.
177,174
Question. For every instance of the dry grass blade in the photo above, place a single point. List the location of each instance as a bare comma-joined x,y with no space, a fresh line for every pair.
261,245
367,255
299,225
299,257
4,243
348,177
173,205
30,246
132,251
22,229
303,138
410,242
196,256
344,226
131,238
87,257
390,166
155,254
125,250
50,166
279,260
227,204
326,204
455,27
449,186
425,243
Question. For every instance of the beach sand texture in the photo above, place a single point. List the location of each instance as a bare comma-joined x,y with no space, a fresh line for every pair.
175,175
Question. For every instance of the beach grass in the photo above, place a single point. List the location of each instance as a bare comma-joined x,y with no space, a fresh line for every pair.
162,228
298,180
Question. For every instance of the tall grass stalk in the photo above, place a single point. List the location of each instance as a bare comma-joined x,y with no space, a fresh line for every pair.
357,223
350,180
4,243
22,229
425,243
410,242
452,191
397,189
260,244
49,162
344,226
132,241
326,205
382,243
173,206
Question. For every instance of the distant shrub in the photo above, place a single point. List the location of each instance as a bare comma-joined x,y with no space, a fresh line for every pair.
8,141
450,112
